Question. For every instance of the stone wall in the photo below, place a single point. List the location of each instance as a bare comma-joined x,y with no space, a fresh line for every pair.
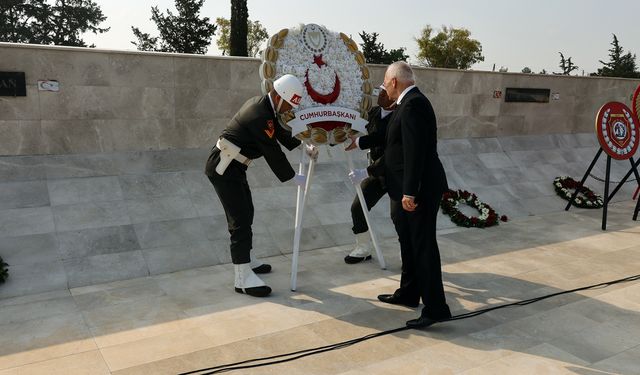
104,180
121,101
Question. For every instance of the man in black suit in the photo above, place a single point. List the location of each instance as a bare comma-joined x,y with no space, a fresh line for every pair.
415,182
373,188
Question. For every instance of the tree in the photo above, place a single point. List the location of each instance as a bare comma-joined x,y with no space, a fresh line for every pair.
63,23
620,64
449,48
239,28
375,53
566,65
526,70
185,32
256,35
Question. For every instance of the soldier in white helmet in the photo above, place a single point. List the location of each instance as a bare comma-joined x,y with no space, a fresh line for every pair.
253,132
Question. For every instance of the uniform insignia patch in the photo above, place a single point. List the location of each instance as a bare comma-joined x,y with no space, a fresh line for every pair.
270,130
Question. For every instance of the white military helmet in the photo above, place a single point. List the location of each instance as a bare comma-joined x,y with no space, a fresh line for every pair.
289,88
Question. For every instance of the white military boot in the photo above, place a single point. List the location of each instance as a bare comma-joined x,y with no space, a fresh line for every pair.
362,251
248,282
257,266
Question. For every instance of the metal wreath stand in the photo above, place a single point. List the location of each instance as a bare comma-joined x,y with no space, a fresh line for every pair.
301,200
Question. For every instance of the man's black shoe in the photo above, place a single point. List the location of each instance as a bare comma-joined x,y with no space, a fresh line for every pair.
392,299
353,260
424,321
263,268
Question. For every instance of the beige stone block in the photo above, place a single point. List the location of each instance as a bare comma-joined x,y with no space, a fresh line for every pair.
219,73
451,104
141,70
21,107
485,83
244,75
43,339
70,136
131,135
466,127
105,102
197,133
20,137
548,124
70,68
148,350
89,363
191,71
510,125
485,105
376,76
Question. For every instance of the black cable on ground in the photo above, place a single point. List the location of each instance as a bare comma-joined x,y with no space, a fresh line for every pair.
611,182
287,357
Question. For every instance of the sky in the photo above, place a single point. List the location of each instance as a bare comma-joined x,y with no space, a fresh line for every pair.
514,34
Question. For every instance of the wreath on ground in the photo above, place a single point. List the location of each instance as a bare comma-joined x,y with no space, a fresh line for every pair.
565,186
452,199
4,272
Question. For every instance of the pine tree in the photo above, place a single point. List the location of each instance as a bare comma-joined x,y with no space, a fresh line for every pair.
256,35
375,53
566,65
239,28
620,64
36,21
184,32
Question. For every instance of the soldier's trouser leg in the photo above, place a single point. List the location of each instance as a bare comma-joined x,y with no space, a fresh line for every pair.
372,190
235,196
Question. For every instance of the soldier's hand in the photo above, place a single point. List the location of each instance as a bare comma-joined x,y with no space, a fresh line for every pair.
353,144
312,151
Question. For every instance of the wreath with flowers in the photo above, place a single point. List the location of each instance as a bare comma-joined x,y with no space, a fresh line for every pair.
586,198
452,199
334,73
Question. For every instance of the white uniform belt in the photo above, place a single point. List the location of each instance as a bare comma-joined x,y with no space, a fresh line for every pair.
239,157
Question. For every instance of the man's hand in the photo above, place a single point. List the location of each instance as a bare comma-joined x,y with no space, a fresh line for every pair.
300,180
358,175
353,144
312,151
408,203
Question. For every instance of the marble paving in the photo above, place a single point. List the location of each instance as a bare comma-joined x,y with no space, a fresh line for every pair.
176,322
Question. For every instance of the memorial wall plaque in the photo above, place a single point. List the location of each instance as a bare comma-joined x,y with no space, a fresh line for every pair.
12,84
526,95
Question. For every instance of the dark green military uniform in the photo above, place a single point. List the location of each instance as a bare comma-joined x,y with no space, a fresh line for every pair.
373,188
256,131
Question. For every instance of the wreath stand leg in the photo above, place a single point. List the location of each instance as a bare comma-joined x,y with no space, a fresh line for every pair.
363,205
301,200
635,213
584,178
633,169
606,194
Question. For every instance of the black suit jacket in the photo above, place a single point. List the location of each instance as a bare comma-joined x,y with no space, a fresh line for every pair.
376,131
411,165
255,129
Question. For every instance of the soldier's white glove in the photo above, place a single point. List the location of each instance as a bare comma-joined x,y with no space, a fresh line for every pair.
358,175
300,180
312,151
